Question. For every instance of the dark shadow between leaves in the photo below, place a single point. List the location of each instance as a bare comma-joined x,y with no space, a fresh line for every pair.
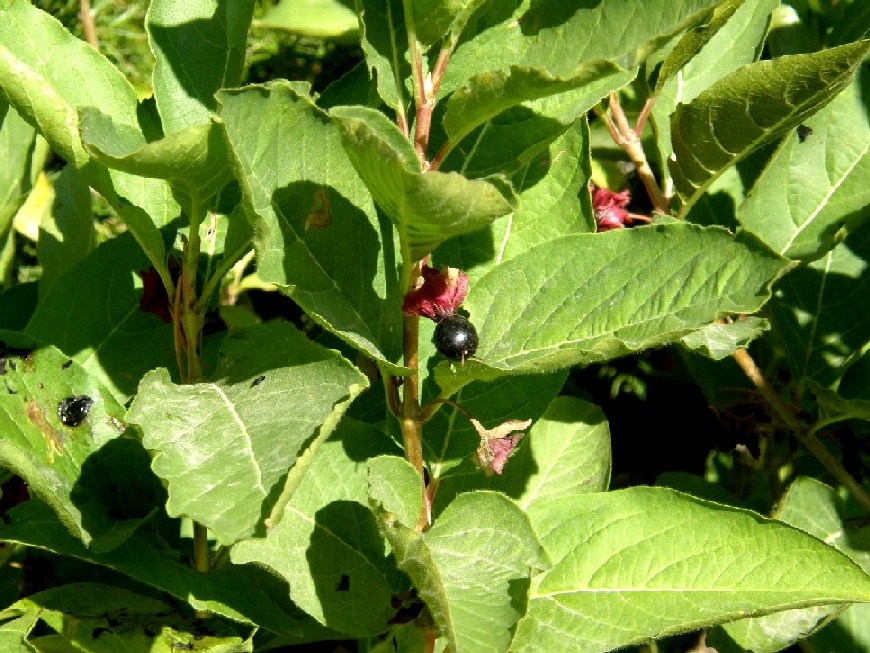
333,256
543,14
116,490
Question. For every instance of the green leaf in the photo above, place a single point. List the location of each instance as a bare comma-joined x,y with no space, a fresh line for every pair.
636,553
199,48
512,139
717,341
46,74
566,452
327,546
834,408
816,509
712,132
427,208
393,482
322,19
95,328
385,44
731,38
97,482
470,568
193,160
695,40
223,447
21,151
98,618
621,32
316,230
488,94
554,201
590,297
450,439
815,187
244,594
67,235
820,312
434,19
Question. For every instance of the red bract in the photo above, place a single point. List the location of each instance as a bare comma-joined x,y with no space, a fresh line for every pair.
609,208
439,292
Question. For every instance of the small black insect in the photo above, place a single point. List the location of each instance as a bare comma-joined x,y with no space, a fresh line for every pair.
456,337
66,365
343,584
804,132
258,380
73,410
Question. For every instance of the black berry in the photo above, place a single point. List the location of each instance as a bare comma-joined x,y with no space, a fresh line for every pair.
456,337
73,410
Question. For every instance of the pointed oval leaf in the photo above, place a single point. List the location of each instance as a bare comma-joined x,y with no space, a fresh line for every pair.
61,431
816,509
384,41
427,208
591,297
327,545
199,48
645,562
470,568
322,19
46,74
815,186
223,447
712,132
316,230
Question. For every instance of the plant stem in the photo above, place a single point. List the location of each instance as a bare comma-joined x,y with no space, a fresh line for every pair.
86,15
200,556
628,139
412,427
802,431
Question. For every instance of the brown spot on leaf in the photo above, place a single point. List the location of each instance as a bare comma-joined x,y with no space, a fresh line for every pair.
52,439
320,215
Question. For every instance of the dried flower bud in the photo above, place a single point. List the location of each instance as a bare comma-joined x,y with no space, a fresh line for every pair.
498,444
440,293
154,299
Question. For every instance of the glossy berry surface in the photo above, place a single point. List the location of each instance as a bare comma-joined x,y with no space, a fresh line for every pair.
73,410
456,337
